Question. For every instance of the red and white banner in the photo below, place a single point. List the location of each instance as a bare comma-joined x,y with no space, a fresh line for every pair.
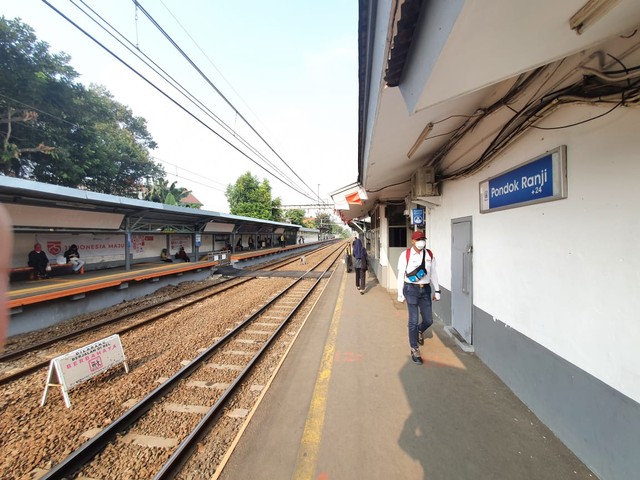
90,245
178,241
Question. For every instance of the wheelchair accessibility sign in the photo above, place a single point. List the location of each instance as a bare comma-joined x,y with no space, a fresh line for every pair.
418,216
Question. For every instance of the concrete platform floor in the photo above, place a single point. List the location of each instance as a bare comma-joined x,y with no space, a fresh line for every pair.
348,403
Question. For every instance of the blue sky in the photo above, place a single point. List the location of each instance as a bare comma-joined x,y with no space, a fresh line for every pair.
289,67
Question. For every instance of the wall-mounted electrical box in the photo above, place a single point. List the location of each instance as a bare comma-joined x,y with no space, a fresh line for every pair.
423,183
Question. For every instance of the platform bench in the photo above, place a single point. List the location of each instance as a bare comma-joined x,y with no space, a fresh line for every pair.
32,272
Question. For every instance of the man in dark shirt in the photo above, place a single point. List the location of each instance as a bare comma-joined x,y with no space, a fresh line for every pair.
39,261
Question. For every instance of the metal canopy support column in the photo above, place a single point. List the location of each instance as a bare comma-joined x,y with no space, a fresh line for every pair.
127,244
197,240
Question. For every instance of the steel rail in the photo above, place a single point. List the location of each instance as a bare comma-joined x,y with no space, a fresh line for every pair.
182,453
80,457
32,368
23,351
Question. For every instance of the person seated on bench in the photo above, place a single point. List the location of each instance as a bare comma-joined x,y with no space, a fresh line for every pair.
182,255
251,244
239,245
39,261
164,256
73,257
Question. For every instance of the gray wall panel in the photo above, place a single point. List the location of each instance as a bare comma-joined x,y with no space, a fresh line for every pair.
442,308
599,424
46,314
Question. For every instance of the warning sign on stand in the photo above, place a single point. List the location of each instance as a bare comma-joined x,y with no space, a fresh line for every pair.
71,369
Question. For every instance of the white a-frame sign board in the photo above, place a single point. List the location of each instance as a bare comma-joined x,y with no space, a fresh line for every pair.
73,368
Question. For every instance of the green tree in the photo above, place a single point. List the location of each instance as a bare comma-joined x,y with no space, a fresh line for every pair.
277,214
160,191
296,216
250,198
113,145
30,76
58,131
324,223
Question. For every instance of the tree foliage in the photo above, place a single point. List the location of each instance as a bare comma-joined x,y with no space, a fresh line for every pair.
324,223
296,216
55,130
249,197
161,192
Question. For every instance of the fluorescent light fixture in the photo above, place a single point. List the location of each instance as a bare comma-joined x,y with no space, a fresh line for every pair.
421,138
590,13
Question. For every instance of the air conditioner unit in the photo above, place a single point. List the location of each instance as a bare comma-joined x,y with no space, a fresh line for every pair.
423,183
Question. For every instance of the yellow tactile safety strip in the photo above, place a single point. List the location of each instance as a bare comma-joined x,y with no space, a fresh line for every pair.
310,443
83,285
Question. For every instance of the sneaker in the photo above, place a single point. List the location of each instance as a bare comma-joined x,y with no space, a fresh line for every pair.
415,356
420,337
362,291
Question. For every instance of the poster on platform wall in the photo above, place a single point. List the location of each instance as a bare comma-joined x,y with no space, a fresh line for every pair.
178,241
138,241
90,245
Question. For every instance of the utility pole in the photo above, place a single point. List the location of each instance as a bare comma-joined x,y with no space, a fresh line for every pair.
318,216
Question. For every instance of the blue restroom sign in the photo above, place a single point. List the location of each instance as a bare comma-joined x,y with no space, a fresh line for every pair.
539,180
417,216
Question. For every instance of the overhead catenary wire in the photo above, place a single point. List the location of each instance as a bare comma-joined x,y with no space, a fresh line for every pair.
219,72
174,83
199,174
170,98
206,56
204,76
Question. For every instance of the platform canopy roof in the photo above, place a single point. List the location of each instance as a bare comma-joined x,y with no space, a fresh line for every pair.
35,206
443,85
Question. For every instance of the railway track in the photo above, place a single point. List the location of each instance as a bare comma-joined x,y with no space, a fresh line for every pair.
13,361
197,396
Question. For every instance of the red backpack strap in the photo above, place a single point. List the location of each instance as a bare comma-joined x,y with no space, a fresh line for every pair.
409,252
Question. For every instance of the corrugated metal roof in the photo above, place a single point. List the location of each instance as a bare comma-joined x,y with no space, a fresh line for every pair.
401,44
141,215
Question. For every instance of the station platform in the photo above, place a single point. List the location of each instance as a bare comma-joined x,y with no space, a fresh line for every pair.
25,292
29,292
36,304
348,403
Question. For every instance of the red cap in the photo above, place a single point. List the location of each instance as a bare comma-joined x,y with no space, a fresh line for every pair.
417,235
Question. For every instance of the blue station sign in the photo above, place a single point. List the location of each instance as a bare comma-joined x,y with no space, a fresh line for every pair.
542,179
417,216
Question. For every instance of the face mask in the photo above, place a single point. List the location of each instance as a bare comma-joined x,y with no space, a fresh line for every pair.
420,244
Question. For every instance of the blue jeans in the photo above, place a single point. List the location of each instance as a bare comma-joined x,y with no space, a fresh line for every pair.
418,299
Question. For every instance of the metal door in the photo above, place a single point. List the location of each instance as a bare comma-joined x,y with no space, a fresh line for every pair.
462,278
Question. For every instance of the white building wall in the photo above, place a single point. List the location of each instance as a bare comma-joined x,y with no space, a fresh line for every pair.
565,273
